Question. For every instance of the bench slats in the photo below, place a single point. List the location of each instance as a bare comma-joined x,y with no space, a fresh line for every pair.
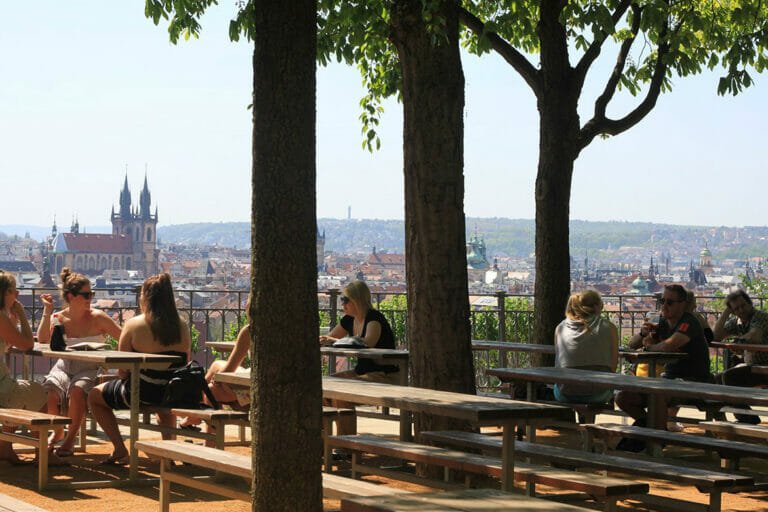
725,448
726,428
701,478
334,486
594,485
31,418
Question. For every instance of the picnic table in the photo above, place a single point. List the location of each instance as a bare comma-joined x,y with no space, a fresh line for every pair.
657,389
112,359
633,356
477,410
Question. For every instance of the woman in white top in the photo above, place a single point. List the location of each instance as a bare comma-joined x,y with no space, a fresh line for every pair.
70,381
586,340
15,332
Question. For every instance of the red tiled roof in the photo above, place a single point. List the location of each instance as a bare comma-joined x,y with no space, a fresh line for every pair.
98,243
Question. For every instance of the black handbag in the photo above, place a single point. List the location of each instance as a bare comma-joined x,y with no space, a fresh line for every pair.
186,387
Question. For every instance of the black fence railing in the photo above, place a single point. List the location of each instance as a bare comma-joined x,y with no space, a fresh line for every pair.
215,314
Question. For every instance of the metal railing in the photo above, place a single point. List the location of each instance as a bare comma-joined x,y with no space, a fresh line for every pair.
214,315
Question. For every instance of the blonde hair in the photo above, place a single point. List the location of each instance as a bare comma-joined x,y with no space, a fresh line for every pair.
6,280
583,305
360,294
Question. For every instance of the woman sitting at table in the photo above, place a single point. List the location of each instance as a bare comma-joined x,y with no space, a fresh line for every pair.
157,330
69,382
15,394
585,340
361,320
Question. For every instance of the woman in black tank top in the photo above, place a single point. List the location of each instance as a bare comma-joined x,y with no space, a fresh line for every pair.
158,330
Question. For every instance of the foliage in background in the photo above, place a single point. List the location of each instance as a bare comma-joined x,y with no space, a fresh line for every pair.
395,309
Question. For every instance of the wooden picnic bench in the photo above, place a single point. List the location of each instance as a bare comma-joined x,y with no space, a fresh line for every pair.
604,489
40,425
220,461
10,504
729,451
468,500
741,431
713,483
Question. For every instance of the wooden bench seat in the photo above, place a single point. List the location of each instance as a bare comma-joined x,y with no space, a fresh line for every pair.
220,461
39,425
604,489
729,451
729,430
713,483
468,500
10,504
740,410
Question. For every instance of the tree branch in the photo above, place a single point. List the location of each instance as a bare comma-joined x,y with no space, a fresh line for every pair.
513,57
597,45
600,124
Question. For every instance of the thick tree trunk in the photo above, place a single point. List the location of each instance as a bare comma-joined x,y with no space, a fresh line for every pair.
435,247
558,148
285,381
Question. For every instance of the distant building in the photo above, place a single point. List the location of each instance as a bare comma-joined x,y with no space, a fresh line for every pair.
131,246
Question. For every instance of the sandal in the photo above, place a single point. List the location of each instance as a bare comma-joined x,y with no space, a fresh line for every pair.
64,452
113,460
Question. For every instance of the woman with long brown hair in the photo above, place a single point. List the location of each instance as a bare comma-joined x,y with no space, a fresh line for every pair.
69,382
157,330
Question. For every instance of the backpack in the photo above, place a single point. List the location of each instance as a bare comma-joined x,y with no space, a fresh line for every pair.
185,388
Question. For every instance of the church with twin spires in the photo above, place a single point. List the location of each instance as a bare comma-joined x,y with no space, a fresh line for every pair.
131,246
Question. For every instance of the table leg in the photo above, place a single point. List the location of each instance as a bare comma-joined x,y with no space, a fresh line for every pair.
405,416
657,418
652,368
331,364
133,471
508,458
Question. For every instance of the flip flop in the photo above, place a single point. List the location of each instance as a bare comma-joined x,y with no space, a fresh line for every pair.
115,461
63,452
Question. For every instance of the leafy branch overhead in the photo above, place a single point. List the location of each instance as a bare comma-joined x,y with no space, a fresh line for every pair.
653,41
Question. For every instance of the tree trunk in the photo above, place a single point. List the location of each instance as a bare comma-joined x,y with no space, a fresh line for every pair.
435,242
285,380
558,148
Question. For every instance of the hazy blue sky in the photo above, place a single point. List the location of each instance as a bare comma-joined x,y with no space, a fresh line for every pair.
89,87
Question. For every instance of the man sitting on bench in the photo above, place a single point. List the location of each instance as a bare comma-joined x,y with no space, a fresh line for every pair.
748,325
678,331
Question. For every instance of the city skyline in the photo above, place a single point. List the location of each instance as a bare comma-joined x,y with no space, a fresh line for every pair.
92,88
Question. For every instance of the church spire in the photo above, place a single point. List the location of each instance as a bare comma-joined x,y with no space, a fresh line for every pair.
125,199
145,199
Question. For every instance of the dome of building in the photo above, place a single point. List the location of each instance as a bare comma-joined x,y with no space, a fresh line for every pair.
705,252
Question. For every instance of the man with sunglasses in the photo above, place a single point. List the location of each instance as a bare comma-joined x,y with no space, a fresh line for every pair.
678,331
748,325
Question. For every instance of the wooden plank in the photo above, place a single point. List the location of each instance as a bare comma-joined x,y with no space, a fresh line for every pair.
594,485
726,448
703,479
740,430
218,460
211,414
31,418
470,500
10,504
646,385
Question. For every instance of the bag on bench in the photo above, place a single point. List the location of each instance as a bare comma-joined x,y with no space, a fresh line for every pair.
185,388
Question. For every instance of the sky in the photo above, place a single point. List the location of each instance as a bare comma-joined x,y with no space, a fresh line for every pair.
90,90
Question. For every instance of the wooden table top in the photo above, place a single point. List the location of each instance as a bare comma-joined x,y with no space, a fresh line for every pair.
478,410
647,385
375,353
628,354
104,357
468,500
739,347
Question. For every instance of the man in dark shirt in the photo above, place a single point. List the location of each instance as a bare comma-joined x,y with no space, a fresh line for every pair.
678,331
748,325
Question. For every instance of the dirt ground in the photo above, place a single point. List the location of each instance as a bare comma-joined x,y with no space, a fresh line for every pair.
19,482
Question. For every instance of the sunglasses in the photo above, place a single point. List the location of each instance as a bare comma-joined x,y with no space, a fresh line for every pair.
85,295
669,301
344,300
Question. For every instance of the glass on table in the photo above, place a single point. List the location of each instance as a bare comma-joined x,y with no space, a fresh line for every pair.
652,320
